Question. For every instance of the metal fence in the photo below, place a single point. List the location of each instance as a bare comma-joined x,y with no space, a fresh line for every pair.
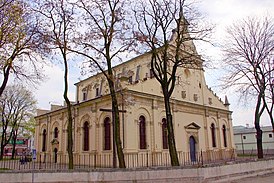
133,160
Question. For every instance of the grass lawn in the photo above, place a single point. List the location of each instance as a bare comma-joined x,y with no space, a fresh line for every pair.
4,169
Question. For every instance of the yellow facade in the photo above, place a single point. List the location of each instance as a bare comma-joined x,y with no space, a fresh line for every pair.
195,109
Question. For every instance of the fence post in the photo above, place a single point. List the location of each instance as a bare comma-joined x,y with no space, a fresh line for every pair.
232,155
88,160
147,158
40,157
152,161
95,160
4,161
202,158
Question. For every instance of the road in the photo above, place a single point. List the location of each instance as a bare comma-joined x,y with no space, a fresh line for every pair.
268,178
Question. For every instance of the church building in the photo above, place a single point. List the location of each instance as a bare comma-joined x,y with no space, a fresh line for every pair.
201,120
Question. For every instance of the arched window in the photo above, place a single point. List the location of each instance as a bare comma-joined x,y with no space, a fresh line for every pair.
86,136
164,133
44,140
213,135
224,136
55,132
107,137
142,132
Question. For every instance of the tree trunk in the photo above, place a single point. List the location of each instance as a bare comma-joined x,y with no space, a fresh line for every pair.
272,121
69,127
5,80
70,139
171,137
259,133
2,146
13,145
2,152
269,110
4,142
116,124
259,136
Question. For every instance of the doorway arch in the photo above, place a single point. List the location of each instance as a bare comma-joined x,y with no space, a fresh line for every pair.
192,148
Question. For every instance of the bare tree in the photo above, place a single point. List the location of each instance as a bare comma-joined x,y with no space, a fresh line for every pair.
269,93
107,35
58,20
17,107
249,59
20,42
169,36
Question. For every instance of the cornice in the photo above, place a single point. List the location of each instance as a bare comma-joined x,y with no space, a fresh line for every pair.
146,96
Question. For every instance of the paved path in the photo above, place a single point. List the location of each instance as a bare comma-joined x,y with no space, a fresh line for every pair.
268,178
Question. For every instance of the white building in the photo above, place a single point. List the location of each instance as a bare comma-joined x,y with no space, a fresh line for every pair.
246,143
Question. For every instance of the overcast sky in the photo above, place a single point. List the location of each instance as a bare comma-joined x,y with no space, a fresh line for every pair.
220,12
223,13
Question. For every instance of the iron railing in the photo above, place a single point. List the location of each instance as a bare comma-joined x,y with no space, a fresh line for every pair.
105,160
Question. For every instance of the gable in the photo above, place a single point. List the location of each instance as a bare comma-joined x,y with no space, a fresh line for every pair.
193,126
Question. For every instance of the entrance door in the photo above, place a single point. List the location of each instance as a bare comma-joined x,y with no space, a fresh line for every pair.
192,147
55,155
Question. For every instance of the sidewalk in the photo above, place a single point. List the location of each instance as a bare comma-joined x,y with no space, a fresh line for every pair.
268,178
231,172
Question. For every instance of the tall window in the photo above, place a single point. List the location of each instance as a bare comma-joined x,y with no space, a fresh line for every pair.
101,87
97,92
44,140
213,135
142,132
84,95
224,136
164,133
107,138
86,136
56,131
137,73
130,79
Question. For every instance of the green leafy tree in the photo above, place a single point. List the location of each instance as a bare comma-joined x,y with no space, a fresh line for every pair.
29,128
17,107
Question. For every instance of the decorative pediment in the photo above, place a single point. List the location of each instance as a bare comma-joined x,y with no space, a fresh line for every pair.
193,126
96,85
124,76
54,141
87,88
